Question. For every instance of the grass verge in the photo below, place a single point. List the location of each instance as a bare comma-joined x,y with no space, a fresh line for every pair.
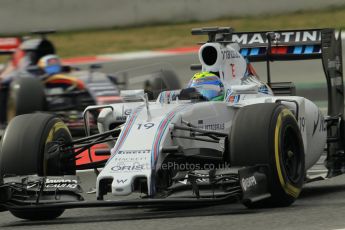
93,42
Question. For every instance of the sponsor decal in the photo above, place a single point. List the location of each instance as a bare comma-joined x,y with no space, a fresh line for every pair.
130,158
70,186
127,112
219,126
264,89
302,124
248,182
9,43
287,36
229,54
147,125
128,167
55,181
233,99
121,118
134,152
61,183
214,126
337,81
233,70
121,181
320,120
228,92
132,155
316,123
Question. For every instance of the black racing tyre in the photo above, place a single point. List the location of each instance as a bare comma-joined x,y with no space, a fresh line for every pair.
27,148
26,95
165,80
268,134
47,214
3,105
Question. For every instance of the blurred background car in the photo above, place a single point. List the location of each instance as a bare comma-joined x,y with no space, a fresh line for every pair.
34,79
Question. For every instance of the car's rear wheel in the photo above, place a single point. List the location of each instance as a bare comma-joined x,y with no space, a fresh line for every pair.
26,95
27,148
269,134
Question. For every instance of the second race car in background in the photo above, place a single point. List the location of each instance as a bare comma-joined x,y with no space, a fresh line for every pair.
27,87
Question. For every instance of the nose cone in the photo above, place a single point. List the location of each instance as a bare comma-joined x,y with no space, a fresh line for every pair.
121,186
124,178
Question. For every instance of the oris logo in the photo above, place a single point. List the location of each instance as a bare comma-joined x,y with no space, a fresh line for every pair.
128,167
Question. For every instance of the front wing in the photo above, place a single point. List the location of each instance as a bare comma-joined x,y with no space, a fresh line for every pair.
201,188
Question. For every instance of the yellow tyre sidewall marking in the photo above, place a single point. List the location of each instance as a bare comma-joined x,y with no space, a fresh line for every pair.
288,188
57,126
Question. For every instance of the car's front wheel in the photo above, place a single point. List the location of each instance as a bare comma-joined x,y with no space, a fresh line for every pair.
26,149
269,134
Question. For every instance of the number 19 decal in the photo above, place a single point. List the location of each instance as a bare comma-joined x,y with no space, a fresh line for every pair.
148,125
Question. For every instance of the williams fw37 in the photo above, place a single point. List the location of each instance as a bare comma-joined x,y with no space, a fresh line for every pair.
254,145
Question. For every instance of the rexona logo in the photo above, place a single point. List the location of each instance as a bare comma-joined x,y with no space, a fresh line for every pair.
248,182
61,183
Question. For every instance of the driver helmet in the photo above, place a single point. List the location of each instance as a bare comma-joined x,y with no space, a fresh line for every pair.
208,85
50,64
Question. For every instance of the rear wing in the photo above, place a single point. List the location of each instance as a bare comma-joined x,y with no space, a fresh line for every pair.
9,44
289,45
285,44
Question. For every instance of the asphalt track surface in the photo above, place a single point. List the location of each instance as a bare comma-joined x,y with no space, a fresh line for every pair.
320,206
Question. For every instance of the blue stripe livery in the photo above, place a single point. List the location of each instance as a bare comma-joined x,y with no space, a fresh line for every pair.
254,51
297,50
308,49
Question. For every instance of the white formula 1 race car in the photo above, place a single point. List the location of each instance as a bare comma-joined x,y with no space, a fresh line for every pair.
255,146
